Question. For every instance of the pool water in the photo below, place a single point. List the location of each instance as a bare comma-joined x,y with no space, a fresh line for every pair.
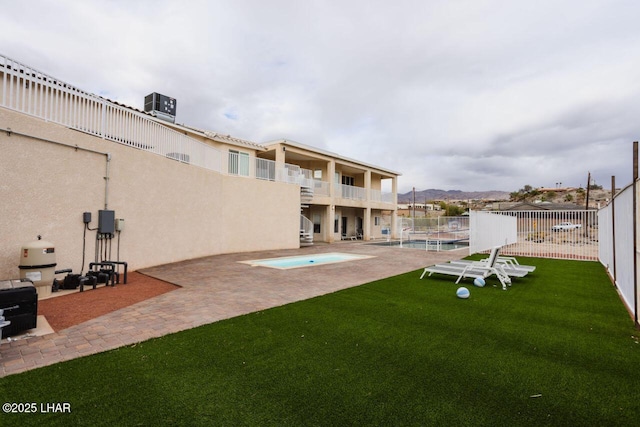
284,263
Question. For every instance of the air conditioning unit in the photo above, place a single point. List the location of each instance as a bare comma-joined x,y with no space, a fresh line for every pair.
161,106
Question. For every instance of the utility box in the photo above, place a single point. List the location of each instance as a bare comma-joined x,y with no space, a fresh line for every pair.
106,222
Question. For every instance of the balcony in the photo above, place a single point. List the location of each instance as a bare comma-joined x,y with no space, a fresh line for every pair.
28,91
350,192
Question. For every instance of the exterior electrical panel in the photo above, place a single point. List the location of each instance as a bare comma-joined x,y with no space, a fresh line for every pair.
106,222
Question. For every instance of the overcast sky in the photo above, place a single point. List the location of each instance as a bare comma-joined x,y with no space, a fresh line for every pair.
453,94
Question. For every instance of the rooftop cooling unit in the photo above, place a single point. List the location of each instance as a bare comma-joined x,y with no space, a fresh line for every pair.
161,106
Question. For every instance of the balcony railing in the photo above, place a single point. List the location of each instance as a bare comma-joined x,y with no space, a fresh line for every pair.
321,188
28,91
350,192
379,196
265,169
32,92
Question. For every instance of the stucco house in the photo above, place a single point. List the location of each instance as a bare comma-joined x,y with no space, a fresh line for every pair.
67,156
542,206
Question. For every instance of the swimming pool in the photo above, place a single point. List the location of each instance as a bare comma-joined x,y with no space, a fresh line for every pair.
421,244
285,263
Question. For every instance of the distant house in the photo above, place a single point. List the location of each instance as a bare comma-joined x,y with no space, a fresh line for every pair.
542,206
421,207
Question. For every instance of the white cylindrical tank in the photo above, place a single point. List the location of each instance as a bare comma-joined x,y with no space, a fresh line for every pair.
38,264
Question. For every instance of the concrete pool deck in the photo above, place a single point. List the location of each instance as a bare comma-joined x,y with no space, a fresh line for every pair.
215,288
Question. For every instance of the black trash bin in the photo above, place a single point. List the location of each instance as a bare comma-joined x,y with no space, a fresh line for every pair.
19,301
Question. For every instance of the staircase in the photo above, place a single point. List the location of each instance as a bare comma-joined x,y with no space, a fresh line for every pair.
306,239
306,194
306,226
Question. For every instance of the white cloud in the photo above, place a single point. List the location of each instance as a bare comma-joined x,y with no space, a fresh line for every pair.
471,95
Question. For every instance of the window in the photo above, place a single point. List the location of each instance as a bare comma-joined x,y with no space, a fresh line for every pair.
238,163
376,221
316,223
348,192
336,224
348,180
317,174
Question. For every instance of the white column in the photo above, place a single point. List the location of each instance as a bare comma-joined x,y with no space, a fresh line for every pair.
366,231
330,218
280,161
394,213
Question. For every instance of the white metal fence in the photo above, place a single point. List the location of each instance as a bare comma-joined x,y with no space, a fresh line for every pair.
564,234
616,251
434,231
542,234
488,230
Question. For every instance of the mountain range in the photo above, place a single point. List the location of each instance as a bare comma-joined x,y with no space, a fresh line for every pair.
435,194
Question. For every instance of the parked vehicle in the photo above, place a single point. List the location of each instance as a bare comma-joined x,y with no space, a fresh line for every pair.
565,226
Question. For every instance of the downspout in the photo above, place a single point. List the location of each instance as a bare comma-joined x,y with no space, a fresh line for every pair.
106,182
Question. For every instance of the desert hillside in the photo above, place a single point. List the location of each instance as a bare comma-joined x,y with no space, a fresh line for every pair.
451,195
577,196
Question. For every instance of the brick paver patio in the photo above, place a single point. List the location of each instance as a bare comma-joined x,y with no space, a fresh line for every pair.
214,288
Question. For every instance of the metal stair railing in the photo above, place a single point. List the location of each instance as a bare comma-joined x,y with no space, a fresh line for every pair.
306,231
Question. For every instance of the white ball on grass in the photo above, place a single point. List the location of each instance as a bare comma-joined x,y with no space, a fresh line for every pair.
463,293
479,282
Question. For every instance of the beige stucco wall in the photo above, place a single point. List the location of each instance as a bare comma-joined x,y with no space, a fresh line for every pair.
172,211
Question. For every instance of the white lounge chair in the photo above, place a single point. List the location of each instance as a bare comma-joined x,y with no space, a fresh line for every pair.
513,262
510,265
475,269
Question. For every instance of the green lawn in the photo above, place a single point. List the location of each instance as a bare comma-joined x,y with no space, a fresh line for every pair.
557,348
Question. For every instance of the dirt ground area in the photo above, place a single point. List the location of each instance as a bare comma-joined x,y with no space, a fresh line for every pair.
74,308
